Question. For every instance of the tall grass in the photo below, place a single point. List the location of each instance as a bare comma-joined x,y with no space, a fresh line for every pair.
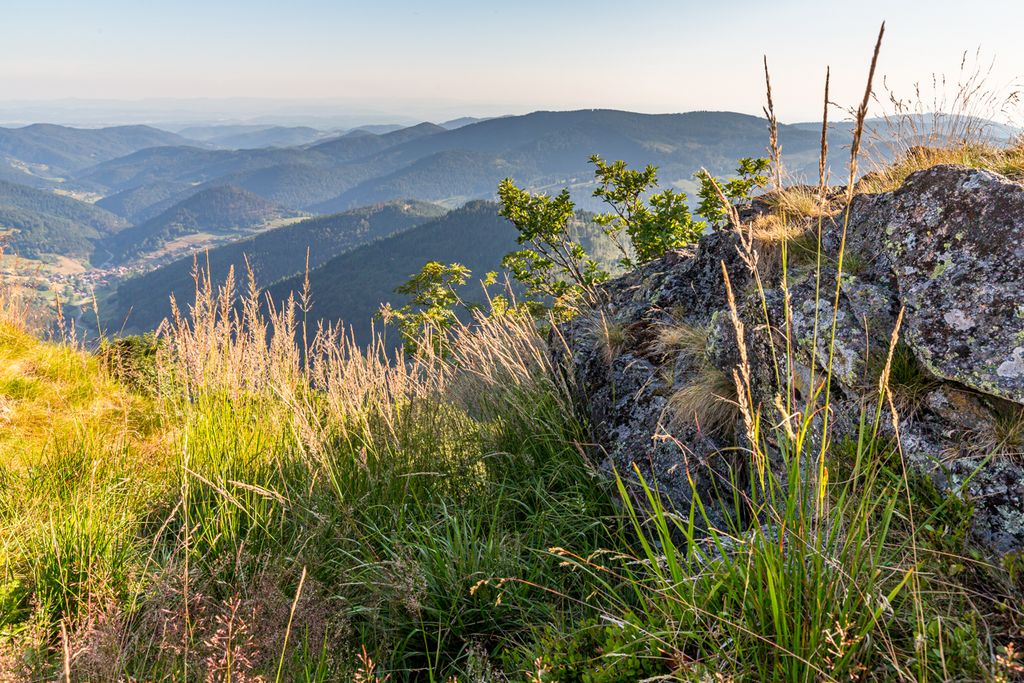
949,120
398,484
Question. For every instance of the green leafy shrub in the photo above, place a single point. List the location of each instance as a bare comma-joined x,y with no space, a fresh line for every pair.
655,225
750,175
554,266
430,313
643,224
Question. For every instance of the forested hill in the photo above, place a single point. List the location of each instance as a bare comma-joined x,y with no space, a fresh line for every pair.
36,222
351,287
217,209
273,255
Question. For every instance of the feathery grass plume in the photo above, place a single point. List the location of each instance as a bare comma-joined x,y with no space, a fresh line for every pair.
773,130
16,308
823,150
858,132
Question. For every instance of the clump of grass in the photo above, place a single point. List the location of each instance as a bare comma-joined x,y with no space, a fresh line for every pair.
707,400
680,337
798,201
611,336
773,229
1002,434
708,397
1008,161
1009,431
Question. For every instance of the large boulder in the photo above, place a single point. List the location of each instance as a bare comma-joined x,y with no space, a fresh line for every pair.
956,241
947,248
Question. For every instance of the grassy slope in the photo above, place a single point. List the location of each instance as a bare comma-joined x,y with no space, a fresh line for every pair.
439,520
49,393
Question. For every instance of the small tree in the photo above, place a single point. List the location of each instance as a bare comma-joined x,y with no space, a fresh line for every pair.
750,174
654,226
555,266
431,311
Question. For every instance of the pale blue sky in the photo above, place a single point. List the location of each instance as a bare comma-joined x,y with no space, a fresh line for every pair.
481,57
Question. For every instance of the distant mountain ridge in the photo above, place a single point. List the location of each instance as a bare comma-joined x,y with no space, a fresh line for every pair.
541,150
51,151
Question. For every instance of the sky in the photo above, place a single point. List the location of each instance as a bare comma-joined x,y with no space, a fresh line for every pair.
445,58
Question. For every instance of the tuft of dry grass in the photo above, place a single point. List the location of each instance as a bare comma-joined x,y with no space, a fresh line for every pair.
708,400
798,201
1003,436
682,338
772,229
611,336
1008,161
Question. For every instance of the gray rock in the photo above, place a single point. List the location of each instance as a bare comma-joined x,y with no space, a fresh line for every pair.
956,241
948,247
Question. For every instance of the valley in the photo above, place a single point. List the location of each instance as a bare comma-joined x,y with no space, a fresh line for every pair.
119,213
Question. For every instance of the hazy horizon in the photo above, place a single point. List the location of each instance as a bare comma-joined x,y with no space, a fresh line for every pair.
396,62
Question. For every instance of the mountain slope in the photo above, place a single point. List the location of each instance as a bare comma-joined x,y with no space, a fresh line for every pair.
351,287
217,209
41,222
140,203
449,178
273,255
58,150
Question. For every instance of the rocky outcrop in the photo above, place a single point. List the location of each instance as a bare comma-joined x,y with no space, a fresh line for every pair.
947,249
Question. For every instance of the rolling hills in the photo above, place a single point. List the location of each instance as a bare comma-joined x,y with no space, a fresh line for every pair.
51,152
433,163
